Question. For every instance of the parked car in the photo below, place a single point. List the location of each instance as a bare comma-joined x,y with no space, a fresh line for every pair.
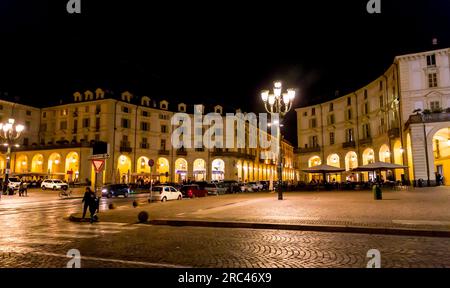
215,189
116,190
246,187
165,193
231,186
256,186
193,190
54,184
13,183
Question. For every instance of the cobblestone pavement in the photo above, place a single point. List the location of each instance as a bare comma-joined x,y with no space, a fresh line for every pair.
38,236
426,209
147,246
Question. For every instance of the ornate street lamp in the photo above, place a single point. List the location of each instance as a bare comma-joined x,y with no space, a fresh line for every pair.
9,133
279,104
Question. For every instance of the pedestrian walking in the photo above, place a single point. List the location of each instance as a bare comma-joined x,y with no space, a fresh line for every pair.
21,189
88,201
94,207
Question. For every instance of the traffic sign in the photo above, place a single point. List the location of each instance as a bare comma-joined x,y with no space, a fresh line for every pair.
98,156
99,165
151,162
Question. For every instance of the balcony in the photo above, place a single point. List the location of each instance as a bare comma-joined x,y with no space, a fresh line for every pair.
366,141
126,149
394,133
145,146
163,152
350,144
182,152
308,150
199,149
428,118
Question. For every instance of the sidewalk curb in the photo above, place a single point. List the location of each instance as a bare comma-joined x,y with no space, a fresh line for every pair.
316,228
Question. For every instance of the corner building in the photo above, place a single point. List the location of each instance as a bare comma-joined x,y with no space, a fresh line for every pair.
401,117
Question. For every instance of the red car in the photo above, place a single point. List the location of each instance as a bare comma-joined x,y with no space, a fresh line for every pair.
193,190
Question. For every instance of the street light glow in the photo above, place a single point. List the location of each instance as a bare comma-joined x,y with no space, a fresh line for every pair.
265,95
20,128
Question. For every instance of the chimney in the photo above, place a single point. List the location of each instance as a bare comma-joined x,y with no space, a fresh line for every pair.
336,93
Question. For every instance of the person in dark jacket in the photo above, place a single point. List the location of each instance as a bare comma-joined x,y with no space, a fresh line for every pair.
94,207
88,200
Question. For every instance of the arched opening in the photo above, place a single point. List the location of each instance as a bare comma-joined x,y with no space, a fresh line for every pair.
181,170
368,157
72,167
250,172
239,170
37,163
123,169
217,169
351,162
385,156
245,171
21,164
398,159
2,165
163,169
441,151
142,166
334,160
142,175
199,170
409,157
314,161
54,165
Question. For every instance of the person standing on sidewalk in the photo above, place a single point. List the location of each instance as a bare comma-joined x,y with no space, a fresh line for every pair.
88,200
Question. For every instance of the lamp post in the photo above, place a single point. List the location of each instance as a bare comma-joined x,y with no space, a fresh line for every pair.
279,104
9,133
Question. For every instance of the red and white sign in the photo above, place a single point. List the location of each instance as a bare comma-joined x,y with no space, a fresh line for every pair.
99,165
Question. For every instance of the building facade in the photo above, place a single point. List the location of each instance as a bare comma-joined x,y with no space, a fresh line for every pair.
58,141
401,117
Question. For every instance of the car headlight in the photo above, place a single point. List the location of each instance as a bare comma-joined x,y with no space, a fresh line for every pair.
104,190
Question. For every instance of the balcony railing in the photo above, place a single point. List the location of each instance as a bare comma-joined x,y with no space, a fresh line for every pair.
428,118
366,141
308,150
394,133
126,149
182,152
199,149
163,152
350,144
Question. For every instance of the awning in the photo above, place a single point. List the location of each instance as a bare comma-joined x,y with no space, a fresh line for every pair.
323,169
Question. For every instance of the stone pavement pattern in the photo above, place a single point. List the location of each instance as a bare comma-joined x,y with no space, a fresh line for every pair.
427,208
38,236
150,246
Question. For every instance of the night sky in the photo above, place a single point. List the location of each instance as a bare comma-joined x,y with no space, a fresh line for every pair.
222,52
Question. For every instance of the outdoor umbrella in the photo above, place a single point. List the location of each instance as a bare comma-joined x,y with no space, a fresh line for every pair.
378,166
323,169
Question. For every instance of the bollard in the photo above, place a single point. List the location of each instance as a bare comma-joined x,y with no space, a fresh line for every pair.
142,216
135,204
111,206
377,193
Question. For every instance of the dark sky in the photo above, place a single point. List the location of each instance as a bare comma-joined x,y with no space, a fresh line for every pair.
209,51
